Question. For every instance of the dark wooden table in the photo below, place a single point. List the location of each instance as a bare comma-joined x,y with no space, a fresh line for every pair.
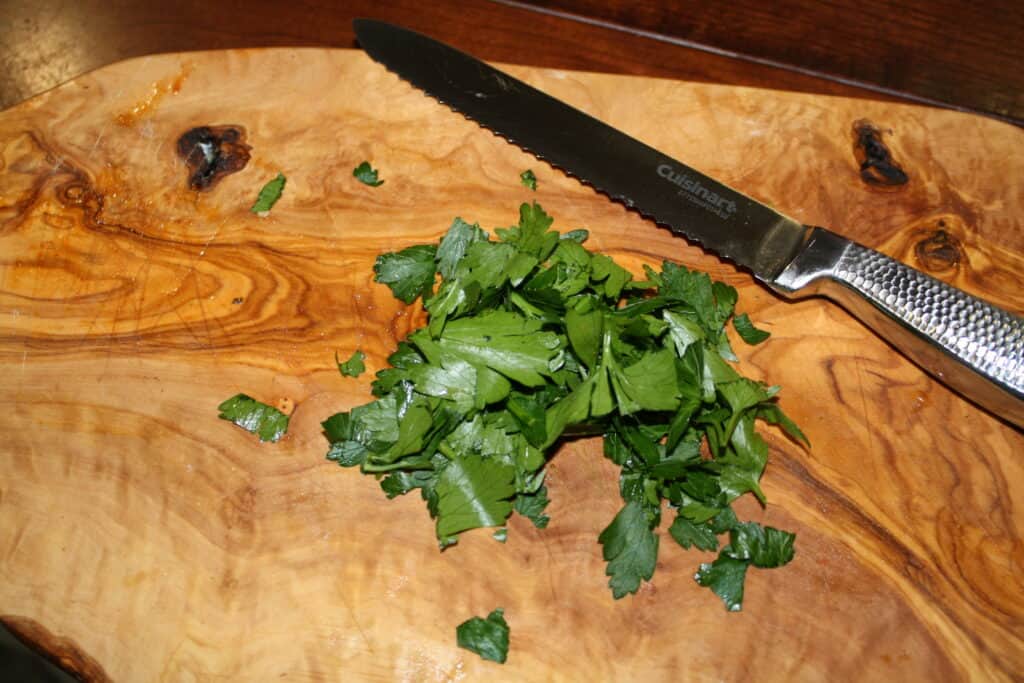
941,52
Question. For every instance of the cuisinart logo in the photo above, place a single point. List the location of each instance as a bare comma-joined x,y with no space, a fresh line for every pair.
695,193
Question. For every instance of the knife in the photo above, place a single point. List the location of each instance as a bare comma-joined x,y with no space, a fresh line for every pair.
968,344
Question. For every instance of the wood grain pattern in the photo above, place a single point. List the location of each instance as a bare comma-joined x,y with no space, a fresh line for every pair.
159,543
962,54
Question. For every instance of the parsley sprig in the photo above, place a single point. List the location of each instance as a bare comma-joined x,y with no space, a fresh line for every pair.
533,339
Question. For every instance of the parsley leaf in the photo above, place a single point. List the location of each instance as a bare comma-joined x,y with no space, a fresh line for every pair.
691,288
772,414
630,548
579,235
400,483
531,237
764,547
366,174
609,276
474,492
347,453
747,331
724,576
354,366
531,506
453,245
505,342
485,637
266,422
749,544
724,520
688,534
454,380
528,179
648,384
530,416
269,194
409,272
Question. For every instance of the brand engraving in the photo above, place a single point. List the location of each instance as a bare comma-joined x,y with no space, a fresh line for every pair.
695,193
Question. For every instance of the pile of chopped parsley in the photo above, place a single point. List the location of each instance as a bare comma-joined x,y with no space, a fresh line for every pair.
533,339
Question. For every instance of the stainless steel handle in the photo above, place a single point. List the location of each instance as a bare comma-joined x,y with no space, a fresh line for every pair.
971,346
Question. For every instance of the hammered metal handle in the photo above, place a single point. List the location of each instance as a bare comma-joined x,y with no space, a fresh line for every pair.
968,344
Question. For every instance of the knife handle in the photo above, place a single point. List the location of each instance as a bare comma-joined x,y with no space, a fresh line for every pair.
971,346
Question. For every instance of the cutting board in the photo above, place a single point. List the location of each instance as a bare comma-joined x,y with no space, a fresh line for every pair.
143,539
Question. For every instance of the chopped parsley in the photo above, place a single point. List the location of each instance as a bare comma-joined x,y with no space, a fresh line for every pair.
266,422
367,175
531,339
269,195
485,637
747,331
354,366
528,179
531,506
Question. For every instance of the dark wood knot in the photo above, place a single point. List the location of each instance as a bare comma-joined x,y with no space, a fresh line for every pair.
212,152
877,166
938,251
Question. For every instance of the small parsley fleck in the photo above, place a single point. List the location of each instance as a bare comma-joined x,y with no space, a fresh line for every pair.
367,175
269,195
354,366
747,331
528,179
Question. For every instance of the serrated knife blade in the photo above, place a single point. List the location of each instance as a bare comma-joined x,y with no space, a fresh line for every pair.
972,346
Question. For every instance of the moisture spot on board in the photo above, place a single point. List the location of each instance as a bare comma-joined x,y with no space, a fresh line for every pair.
878,168
212,152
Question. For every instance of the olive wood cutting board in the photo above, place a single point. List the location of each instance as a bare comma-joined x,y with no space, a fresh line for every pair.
144,539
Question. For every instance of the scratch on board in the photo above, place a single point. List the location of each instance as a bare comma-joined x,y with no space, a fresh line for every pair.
202,253
113,333
210,344
552,584
141,280
865,416
188,326
355,620
106,122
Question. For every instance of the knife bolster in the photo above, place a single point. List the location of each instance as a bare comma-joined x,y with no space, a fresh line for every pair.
813,266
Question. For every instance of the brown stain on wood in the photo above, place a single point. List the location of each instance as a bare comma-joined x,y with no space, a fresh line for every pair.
131,306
